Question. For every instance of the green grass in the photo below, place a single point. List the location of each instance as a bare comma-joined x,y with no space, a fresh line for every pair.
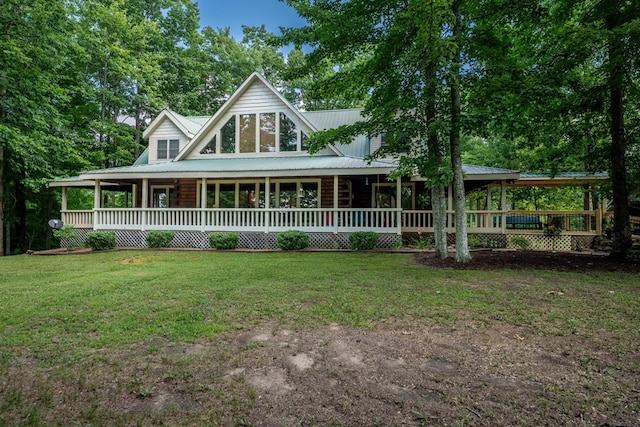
66,321
84,302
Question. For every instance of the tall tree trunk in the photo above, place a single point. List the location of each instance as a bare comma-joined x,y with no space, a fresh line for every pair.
439,205
462,245
2,248
621,225
21,213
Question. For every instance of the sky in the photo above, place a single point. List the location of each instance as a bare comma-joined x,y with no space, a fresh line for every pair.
273,14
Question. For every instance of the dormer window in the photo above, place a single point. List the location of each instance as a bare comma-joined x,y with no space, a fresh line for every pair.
258,133
168,149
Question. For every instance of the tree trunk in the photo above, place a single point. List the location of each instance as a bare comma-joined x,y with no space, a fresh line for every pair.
462,245
21,213
2,248
621,226
439,205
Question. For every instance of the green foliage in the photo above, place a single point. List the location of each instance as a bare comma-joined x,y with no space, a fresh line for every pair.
363,240
552,230
159,238
101,240
474,242
224,240
67,232
292,240
423,242
520,242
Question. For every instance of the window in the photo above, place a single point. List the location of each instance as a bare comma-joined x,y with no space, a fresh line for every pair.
211,146
162,197
385,196
258,133
227,196
383,139
288,134
268,132
173,149
162,149
228,136
247,133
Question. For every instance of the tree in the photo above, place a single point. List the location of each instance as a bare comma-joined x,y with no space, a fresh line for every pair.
37,53
406,57
561,75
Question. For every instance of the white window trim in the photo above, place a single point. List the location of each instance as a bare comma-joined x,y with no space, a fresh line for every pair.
218,132
166,188
274,185
412,185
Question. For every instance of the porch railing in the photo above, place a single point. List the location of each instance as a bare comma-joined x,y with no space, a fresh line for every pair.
329,220
262,220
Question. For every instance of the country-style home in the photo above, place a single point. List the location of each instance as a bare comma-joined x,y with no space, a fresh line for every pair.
247,169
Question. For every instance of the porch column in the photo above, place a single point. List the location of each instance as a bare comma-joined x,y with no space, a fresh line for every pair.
335,203
63,206
267,198
203,203
399,204
134,195
96,203
488,197
503,205
144,202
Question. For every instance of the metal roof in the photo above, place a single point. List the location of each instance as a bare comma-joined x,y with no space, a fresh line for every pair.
330,119
247,166
564,175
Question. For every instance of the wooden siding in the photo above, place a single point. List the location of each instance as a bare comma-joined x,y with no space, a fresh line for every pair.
256,98
166,130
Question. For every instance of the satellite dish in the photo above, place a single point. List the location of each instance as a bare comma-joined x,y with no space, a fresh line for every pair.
56,224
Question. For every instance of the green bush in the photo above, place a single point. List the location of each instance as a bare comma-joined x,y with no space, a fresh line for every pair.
101,240
520,242
224,240
473,242
159,238
363,240
292,240
66,234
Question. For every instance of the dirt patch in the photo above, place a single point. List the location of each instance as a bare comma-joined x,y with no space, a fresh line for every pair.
396,373
532,260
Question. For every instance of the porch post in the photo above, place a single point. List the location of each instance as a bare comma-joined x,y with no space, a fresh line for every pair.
134,195
267,198
144,202
335,203
503,205
96,203
488,197
399,204
203,203
63,206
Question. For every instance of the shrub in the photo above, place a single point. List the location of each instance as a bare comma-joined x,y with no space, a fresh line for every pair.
159,238
363,240
101,240
224,240
66,235
473,241
520,242
292,240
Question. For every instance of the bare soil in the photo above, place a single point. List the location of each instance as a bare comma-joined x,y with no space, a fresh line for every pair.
397,373
579,262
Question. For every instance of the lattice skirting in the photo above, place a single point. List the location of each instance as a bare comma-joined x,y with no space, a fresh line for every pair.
199,240
557,243
536,241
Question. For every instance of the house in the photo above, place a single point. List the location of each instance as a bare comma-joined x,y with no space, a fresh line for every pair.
247,169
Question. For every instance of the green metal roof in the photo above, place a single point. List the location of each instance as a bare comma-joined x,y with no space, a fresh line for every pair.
565,175
248,166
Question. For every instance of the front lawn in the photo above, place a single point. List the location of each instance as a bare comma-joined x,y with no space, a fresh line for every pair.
144,337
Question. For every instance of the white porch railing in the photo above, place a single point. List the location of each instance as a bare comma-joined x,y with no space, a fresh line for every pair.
262,220
329,220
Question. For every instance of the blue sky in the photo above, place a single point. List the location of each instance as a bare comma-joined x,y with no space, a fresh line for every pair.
236,13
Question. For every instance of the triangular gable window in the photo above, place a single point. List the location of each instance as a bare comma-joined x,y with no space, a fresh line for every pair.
211,146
